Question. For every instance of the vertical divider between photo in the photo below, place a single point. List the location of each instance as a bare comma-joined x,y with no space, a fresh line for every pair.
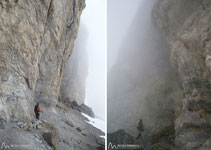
106,73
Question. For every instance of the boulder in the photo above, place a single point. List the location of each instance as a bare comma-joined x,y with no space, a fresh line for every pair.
75,104
30,126
120,137
87,110
100,148
83,134
44,121
20,123
36,124
51,137
100,141
78,129
70,123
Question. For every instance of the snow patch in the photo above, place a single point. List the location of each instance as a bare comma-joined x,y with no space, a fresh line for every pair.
102,136
96,122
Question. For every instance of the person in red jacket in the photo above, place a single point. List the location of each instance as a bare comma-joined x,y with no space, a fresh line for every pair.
37,111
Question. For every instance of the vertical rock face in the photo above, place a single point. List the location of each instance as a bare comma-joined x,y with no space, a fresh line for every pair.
36,39
186,27
73,87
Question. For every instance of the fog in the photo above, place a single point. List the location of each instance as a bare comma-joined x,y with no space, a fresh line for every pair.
84,74
93,18
120,15
73,85
138,74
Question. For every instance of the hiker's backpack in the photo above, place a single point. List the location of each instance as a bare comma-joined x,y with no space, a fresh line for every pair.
140,125
36,109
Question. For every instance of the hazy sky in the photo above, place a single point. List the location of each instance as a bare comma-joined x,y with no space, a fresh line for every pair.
120,15
93,17
138,53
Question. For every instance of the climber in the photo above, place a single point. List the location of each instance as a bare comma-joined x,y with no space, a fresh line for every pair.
37,111
140,128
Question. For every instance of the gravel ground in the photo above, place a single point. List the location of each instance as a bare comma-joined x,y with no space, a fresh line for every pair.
73,132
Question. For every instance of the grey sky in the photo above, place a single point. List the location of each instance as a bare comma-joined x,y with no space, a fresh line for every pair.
93,17
120,15
138,54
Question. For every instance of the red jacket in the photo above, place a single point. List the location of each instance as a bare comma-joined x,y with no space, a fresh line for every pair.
39,109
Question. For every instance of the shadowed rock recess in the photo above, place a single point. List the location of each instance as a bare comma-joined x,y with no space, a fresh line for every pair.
167,82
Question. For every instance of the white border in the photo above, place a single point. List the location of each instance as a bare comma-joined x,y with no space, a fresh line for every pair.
106,69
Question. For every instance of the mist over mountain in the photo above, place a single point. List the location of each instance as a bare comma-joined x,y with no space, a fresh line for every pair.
139,68
162,75
73,87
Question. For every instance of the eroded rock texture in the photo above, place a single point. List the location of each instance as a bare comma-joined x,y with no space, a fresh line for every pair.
186,27
36,39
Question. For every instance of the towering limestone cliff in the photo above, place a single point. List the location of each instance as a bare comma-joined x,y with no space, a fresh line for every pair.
163,76
36,40
186,27
73,87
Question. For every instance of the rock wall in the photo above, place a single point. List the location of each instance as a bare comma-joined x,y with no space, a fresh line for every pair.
73,86
36,39
186,27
